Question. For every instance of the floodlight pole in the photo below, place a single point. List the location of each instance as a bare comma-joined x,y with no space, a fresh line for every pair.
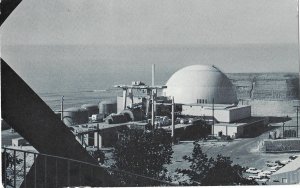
62,108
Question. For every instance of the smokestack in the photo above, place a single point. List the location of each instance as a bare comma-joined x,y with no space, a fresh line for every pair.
298,29
153,74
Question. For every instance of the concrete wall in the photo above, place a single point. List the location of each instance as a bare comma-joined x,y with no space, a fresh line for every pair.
272,107
240,113
282,145
221,115
271,86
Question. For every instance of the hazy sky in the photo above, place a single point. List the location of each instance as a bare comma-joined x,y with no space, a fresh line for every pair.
192,30
152,22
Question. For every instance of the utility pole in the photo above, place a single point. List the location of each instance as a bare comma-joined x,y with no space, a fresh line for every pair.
62,108
297,127
297,122
152,110
213,116
173,119
98,140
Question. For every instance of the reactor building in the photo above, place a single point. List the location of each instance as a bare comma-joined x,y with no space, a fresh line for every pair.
205,91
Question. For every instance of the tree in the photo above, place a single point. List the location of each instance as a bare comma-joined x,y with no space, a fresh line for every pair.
224,173
200,165
208,171
143,153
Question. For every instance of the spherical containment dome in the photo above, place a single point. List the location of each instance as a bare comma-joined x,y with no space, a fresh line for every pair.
200,84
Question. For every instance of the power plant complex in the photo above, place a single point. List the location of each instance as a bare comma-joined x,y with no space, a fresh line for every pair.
197,94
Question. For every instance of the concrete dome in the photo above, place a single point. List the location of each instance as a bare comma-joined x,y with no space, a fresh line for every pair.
200,84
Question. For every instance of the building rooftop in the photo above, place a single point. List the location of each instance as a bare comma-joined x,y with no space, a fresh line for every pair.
218,106
292,166
242,122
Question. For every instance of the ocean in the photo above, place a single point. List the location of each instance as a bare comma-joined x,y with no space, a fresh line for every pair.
87,74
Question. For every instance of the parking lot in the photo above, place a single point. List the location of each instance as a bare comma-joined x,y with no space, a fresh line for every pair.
246,152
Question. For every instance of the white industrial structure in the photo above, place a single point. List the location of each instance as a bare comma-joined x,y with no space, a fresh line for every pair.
222,112
205,91
200,84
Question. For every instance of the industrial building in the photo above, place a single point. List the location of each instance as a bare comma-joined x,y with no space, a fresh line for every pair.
289,174
222,112
244,128
204,91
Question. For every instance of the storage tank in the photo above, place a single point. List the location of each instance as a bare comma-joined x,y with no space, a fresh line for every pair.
74,116
116,118
107,107
133,115
91,109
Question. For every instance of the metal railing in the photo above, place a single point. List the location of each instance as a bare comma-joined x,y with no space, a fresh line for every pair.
17,163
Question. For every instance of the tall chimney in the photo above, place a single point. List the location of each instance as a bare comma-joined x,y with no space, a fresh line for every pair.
298,29
153,74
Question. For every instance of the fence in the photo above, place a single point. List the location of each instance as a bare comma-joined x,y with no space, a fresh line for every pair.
17,164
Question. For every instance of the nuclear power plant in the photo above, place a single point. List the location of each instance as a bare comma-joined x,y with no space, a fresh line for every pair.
193,94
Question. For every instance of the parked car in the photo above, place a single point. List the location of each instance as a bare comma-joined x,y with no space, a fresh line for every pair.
265,173
273,170
252,170
284,162
276,167
253,177
184,121
293,157
270,164
262,179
